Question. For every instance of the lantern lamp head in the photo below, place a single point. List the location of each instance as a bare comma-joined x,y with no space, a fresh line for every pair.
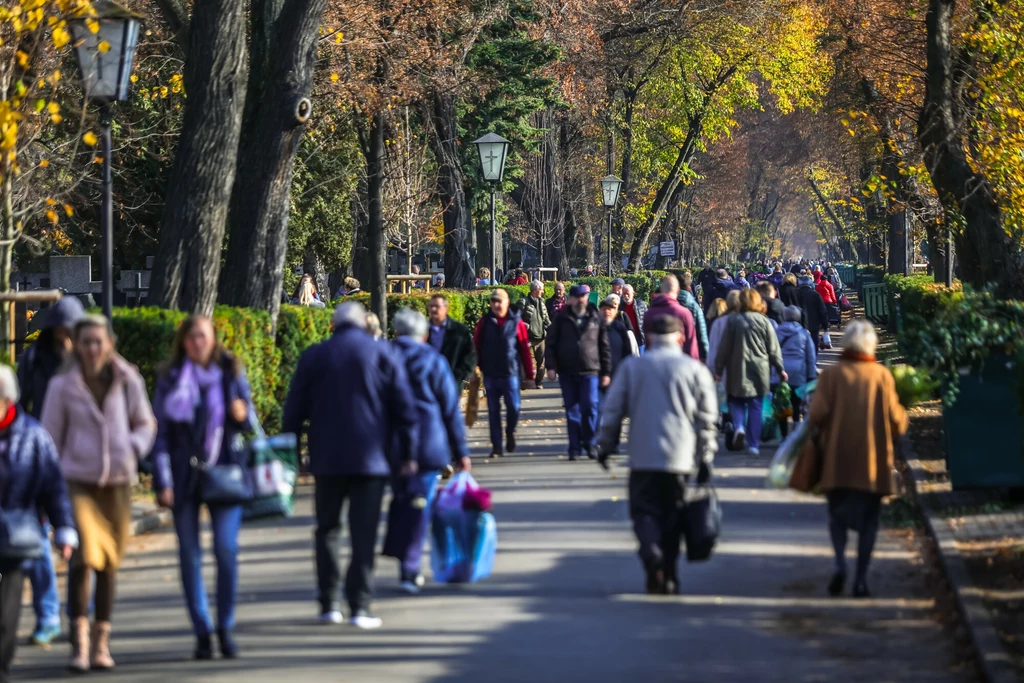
610,186
105,39
493,150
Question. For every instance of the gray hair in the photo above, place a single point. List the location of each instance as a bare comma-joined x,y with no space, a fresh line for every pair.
535,285
410,323
350,313
793,314
860,337
9,384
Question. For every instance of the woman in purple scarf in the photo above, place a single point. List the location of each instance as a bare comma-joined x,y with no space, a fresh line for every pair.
202,407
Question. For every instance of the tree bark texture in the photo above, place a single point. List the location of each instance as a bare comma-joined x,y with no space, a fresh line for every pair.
187,265
371,141
986,253
451,188
284,37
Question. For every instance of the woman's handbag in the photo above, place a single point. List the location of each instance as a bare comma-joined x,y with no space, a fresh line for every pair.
844,304
807,470
473,398
21,535
221,484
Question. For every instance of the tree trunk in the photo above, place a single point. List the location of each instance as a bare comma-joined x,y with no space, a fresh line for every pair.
187,263
312,264
281,77
666,192
459,270
986,253
371,141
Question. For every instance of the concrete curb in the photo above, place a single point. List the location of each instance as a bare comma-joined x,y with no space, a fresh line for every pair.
996,666
149,518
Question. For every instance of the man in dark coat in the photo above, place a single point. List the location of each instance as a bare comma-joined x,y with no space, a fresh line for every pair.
776,309
535,314
451,339
788,291
362,417
815,313
720,288
578,350
557,302
634,310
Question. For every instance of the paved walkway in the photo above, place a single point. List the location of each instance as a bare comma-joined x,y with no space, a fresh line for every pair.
565,603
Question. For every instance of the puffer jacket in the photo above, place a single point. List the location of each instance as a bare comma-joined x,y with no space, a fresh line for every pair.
442,429
798,353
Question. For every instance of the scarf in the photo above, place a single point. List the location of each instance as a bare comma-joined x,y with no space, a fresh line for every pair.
8,419
854,356
195,384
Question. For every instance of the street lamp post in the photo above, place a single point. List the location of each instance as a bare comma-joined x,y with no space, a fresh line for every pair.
493,149
105,41
610,186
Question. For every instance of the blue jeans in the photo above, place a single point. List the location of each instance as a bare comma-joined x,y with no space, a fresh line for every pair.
226,521
414,555
579,393
43,578
746,413
498,388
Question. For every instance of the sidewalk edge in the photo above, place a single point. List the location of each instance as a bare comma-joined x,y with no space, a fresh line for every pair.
994,661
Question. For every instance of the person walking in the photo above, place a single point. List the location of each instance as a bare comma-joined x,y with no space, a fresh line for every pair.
815,313
578,350
31,480
362,419
776,309
788,292
688,301
799,355
442,442
667,303
749,350
621,340
635,310
832,275
859,417
557,302
535,315
451,339
672,408
101,422
777,276
502,349
722,285
202,403
40,362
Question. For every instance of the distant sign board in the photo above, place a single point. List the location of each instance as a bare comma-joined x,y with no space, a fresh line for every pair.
668,249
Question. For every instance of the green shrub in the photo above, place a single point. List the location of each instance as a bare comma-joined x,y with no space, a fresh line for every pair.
298,328
145,337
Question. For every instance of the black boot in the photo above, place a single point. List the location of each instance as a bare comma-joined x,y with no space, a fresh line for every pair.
835,586
204,647
860,589
228,648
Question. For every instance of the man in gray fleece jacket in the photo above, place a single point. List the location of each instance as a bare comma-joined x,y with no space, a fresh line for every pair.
672,406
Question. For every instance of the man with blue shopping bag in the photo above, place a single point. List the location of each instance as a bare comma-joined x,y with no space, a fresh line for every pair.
442,442
672,405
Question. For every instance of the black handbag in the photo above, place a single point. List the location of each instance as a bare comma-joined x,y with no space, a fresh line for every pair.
702,523
216,484
21,535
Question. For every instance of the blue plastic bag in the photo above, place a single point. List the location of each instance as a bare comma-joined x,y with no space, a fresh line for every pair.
463,545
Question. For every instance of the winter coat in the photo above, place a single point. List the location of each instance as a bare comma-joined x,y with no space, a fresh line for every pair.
776,279
34,479
827,292
100,445
672,406
555,306
535,314
718,326
741,282
689,302
789,295
40,363
799,353
860,416
663,305
582,349
457,348
618,342
815,313
748,351
720,290
441,426
175,441
640,310
357,399
776,310
503,346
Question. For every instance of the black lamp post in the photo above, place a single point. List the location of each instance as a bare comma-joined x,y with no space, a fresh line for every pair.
610,186
105,43
493,149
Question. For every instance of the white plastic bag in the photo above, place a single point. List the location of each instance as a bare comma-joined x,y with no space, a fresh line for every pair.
781,468
450,497
826,340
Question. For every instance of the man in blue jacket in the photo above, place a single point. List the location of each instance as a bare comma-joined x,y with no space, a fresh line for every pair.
441,443
362,418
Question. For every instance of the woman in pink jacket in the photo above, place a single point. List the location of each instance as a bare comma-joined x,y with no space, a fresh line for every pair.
100,419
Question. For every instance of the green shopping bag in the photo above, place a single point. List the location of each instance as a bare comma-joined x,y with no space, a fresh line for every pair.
274,469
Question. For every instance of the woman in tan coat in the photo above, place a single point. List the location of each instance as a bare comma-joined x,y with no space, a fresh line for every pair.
859,416
100,419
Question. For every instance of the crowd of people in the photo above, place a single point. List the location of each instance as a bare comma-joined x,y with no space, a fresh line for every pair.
700,356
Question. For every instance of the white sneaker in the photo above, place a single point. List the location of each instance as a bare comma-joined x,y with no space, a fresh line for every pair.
366,621
334,617
753,451
739,439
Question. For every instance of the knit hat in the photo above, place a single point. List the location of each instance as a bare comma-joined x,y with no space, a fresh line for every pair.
579,290
618,281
